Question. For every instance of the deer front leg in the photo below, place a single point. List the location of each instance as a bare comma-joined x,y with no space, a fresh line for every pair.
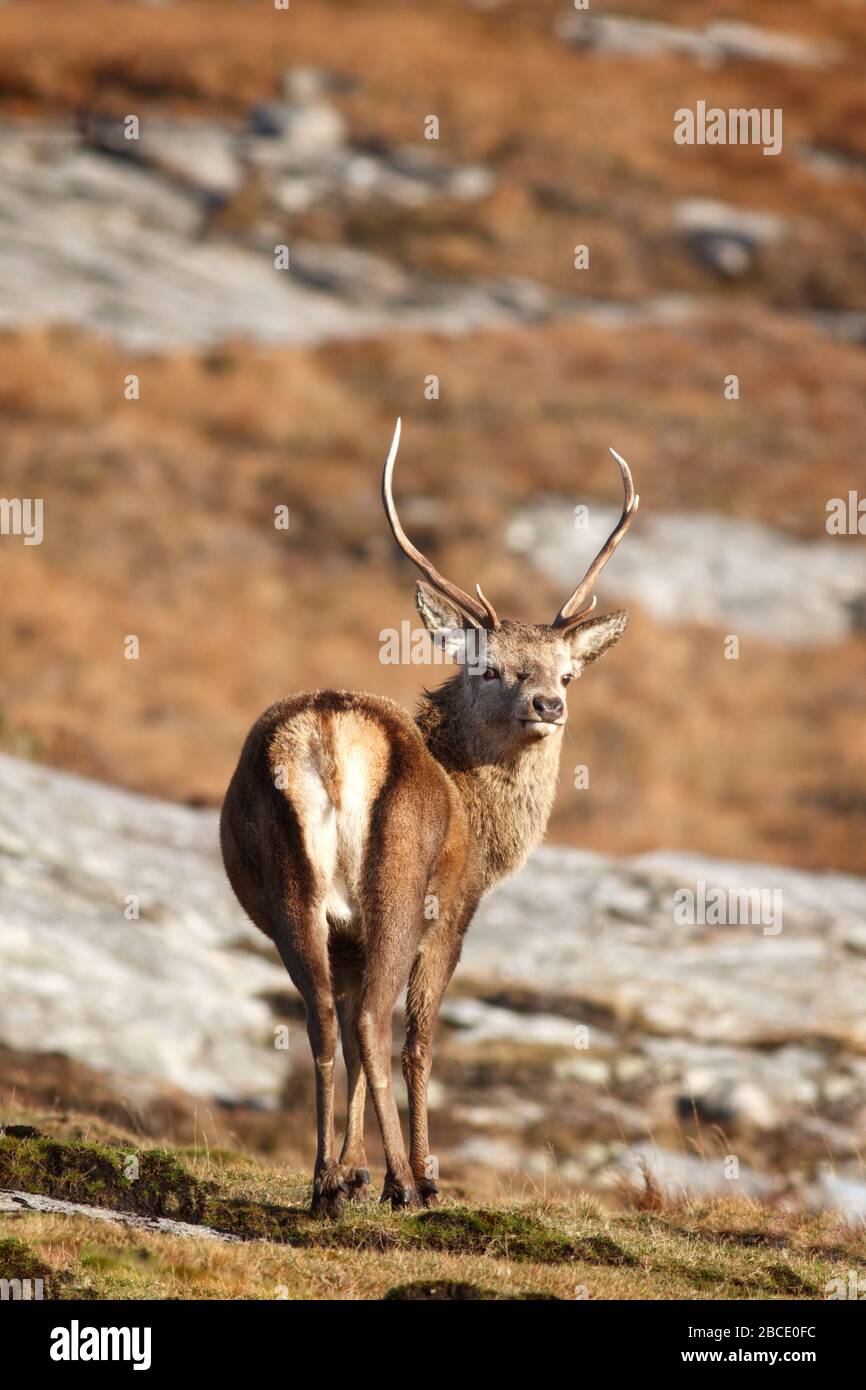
427,984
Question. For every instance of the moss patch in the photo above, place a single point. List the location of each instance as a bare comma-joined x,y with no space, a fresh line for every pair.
149,1181
18,1260
510,1234
443,1290
761,1282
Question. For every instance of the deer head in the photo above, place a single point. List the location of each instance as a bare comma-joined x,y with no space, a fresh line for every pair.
514,677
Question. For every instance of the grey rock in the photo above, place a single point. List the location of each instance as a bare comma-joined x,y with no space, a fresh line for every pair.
200,155
303,131
585,1068
633,37
172,996
832,164
723,984
131,246
520,1114
727,1102
848,325
755,1086
841,1190
492,1152
726,238
719,42
12,1202
204,156
476,1022
685,1175
738,40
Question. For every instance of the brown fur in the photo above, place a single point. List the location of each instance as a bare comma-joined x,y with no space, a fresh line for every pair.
361,842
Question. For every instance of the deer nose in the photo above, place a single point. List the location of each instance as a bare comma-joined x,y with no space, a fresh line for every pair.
548,707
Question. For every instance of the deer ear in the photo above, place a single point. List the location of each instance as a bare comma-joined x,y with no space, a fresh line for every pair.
441,619
590,640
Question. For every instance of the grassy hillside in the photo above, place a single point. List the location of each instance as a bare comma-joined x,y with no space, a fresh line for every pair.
160,512
535,1248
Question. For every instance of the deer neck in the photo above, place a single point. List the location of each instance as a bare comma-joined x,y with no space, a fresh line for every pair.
508,799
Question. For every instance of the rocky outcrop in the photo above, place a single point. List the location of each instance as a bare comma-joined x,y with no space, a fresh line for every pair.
169,240
632,1021
13,1203
722,41
121,944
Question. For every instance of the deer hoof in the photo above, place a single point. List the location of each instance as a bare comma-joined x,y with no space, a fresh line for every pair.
401,1198
429,1193
328,1206
359,1183
330,1191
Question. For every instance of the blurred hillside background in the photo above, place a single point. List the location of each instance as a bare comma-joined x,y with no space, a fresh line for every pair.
412,258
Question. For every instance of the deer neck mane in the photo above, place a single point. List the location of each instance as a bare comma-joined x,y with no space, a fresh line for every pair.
508,800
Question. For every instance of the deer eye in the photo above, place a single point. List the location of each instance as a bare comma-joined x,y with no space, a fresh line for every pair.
568,678
491,675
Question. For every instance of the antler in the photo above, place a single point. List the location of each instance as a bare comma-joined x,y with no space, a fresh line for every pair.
480,614
571,612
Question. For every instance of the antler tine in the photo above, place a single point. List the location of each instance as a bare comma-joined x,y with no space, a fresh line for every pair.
491,611
479,614
571,611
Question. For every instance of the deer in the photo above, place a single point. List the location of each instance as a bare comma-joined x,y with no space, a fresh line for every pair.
361,840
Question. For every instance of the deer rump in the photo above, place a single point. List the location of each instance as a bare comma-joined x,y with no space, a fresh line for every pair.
351,777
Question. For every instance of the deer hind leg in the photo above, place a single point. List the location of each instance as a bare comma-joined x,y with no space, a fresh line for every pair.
392,943
301,938
428,981
347,976
374,1033
329,1186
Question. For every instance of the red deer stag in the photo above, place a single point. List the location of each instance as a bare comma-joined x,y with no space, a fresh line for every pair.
361,840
